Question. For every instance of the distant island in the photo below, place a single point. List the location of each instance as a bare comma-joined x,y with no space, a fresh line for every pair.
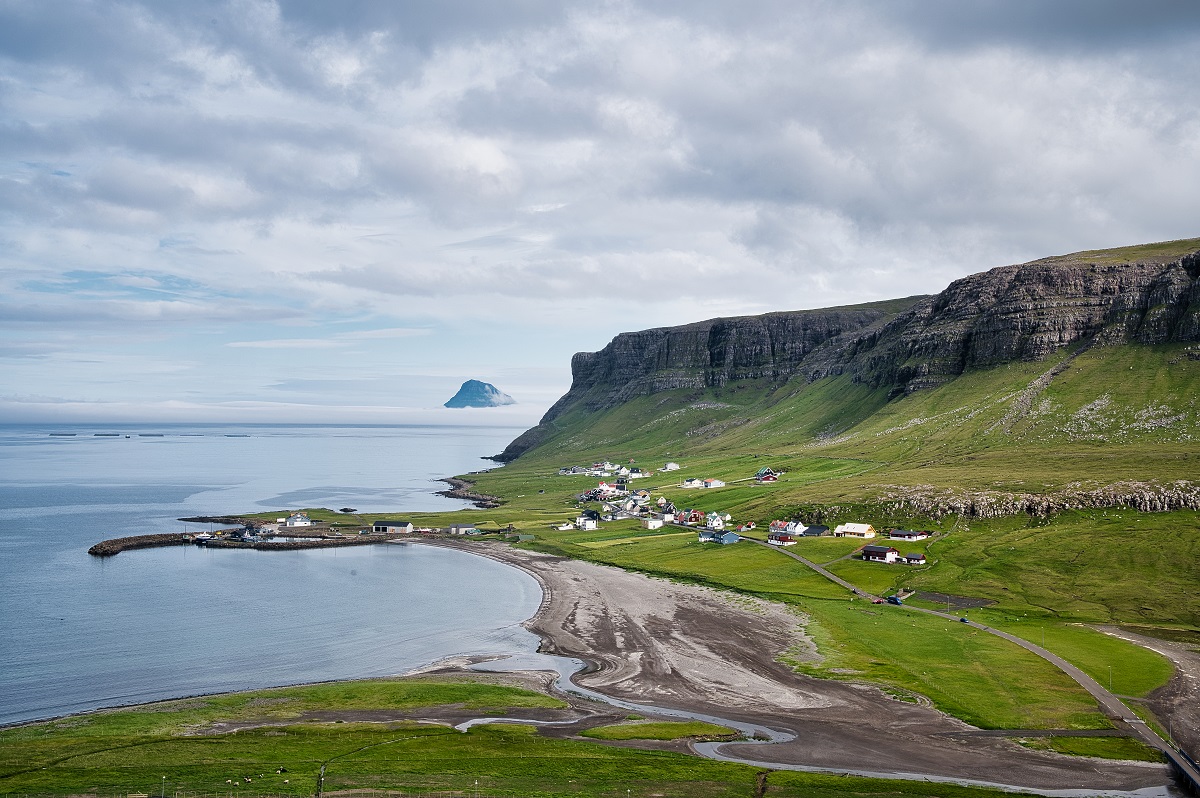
474,393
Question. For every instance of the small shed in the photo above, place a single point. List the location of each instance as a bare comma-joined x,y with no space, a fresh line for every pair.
652,523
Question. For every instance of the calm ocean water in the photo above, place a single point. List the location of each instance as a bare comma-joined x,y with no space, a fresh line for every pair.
78,633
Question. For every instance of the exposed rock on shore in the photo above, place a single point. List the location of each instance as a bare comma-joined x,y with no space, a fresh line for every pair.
462,489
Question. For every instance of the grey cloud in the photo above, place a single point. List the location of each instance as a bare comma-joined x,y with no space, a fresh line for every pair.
1082,25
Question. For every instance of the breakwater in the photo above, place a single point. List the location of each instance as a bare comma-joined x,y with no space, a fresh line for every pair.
108,548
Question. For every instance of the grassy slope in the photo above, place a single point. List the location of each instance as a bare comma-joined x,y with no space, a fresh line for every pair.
1116,414
133,750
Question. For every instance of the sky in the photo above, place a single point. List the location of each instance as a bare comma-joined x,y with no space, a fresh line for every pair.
305,211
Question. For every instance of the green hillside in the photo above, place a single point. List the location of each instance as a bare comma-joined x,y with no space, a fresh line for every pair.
1107,425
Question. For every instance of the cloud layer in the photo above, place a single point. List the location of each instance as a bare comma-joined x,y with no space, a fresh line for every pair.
271,191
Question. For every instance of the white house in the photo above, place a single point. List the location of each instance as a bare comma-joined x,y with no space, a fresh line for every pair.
713,483
880,553
298,519
585,523
652,523
907,534
393,526
671,467
714,521
854,531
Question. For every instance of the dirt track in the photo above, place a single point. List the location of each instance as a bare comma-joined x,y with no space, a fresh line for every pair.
703,650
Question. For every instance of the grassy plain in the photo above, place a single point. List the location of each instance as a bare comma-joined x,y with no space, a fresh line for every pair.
172,748
666,730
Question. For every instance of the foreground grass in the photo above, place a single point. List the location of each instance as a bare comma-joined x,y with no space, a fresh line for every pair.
167,747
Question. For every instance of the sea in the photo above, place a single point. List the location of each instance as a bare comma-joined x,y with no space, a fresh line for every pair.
79,632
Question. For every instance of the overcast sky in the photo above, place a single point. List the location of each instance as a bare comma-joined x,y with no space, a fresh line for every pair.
337,212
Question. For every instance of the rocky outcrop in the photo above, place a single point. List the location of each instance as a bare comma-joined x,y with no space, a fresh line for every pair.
1024,312
1029,312
1147,497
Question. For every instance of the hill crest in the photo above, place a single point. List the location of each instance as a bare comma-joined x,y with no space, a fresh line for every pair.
1149,294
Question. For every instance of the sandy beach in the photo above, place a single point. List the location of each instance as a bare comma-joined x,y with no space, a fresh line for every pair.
703,650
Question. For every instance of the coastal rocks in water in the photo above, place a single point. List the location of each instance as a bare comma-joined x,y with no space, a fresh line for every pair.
474,393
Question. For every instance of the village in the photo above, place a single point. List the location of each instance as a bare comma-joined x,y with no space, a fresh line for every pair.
619,500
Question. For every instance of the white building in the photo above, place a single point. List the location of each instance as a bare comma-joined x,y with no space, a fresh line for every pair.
854,531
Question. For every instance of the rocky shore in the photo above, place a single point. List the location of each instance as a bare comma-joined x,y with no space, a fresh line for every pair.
463,489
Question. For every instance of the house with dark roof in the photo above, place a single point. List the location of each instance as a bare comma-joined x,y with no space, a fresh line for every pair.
718,536
879,553
814,531
907,534
778,537
393,526
914,559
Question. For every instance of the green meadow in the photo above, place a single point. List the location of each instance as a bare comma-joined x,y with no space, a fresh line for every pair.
174,748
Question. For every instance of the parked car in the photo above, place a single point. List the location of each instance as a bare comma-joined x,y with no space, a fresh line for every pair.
894,600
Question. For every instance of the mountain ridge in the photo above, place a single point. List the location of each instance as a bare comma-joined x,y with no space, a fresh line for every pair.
1148,294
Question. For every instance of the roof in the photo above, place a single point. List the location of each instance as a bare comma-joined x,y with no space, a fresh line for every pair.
877,549
392,523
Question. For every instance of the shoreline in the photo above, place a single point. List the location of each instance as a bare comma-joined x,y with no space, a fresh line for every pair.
462,489
703,650
697,649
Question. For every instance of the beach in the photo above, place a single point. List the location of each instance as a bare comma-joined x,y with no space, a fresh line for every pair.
682,646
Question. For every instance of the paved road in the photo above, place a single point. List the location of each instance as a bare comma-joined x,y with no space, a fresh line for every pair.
1111,705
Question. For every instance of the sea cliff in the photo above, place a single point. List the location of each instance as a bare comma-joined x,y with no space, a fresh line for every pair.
1140,295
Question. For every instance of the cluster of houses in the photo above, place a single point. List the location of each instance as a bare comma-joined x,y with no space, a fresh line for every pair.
406,527
696,482
786,533
608,469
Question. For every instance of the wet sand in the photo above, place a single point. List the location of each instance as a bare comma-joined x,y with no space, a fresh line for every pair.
703,650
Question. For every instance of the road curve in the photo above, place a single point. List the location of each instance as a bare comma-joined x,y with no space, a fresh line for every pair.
1112,706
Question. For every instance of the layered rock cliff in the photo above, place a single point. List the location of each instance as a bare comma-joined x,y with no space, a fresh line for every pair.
1145,295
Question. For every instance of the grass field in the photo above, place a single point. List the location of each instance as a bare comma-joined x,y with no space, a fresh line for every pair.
170,748
695,730
1102,747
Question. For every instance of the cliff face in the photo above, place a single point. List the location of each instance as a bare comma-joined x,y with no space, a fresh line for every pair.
1028,312
1024,312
